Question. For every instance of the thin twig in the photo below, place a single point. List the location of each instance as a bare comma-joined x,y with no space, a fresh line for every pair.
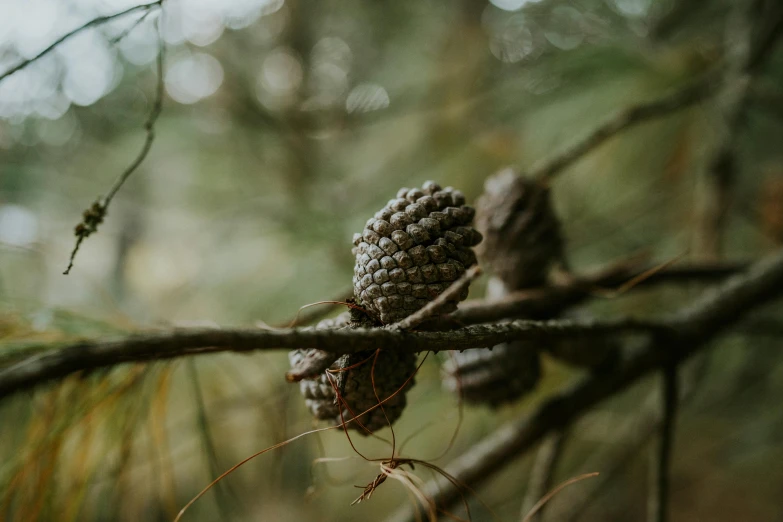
542,474
554,492
317,311
434,307
552,300
117,39
92,23
667,104
660,457
95,215
549,301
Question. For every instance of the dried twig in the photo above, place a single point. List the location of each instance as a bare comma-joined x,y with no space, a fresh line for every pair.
552,300
696,325
432,308
537,508
542,474
95,215
317,311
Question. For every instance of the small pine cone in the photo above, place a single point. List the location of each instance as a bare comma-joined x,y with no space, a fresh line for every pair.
497,375
522,237
493,376
392,370
412,250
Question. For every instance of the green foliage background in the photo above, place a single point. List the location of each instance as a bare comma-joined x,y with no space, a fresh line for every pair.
244,212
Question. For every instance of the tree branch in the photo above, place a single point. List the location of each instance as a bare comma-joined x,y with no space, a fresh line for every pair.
552,300
94,354
56,363
680,99
693,328
667,104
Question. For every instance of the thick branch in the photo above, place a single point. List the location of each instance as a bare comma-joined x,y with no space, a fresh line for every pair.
695,326
89,355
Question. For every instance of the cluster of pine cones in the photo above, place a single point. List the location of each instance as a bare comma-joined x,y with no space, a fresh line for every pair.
409,252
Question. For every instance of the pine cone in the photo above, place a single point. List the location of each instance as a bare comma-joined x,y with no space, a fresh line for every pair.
521,231
493,376
392,369
412,250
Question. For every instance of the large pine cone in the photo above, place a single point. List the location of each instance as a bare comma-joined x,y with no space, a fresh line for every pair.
412,250
522,237
392,370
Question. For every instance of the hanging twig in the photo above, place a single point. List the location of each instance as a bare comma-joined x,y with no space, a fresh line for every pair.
95,215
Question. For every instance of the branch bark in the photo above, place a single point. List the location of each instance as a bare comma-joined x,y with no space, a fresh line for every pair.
59,362
693,328
94,354
552,300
